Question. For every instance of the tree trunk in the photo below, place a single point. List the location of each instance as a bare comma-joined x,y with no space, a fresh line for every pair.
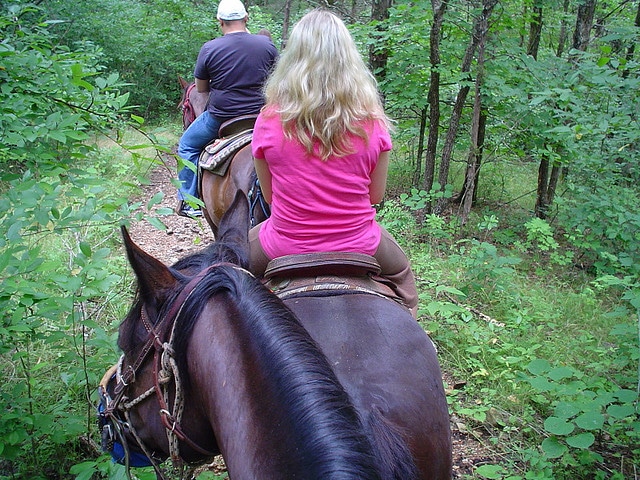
547,181
473,160
584,22
632,48
542,203
553,182
379,53
535,30
481,135
473,163
547,185
354,9
482,124
439,8
285,24
479,33
562,40
423,127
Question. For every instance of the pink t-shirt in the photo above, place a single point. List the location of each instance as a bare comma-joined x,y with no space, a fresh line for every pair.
318,206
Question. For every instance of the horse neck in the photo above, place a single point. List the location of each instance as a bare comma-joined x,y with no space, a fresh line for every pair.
261,430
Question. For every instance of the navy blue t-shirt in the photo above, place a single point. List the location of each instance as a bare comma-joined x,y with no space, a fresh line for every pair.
236,65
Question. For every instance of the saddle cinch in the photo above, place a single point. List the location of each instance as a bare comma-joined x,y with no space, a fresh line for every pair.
326,273
234,134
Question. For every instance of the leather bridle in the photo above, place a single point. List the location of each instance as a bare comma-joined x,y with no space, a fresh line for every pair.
115,408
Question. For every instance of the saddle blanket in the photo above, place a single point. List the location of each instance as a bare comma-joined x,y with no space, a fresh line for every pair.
216,157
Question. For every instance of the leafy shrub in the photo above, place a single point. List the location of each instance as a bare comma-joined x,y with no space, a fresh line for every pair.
604,223
58,215
588,415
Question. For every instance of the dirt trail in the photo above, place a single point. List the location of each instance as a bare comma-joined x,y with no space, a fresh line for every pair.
183,235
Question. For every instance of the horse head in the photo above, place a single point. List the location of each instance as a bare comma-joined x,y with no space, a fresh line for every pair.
133,393
192,103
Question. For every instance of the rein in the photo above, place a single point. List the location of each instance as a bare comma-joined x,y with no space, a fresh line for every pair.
164,370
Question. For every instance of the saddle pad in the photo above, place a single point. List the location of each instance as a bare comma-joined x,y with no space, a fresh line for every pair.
216,157
285,287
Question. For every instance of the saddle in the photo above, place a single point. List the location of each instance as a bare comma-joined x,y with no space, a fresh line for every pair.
326,273
234,135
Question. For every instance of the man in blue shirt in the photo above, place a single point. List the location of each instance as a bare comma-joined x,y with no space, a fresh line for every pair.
233,69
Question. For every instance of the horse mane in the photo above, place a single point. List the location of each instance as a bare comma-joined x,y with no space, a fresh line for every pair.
329,433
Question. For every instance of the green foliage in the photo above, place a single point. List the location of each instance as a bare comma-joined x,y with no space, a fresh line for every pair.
51,96
540,240
60,207
584,410
149,43
397,220
605,224
419,199
531,337
551,374
486,268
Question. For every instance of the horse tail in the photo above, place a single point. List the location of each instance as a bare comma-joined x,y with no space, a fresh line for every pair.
391,450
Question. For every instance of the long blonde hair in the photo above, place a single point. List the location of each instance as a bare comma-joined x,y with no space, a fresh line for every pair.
321,87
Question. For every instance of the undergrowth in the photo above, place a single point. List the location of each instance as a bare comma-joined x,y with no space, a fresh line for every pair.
543,354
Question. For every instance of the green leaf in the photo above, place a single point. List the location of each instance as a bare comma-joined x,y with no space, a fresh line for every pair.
566,410
626,396
156,199
541,384
156,222
621,411
558,426
553,448
539,366
582,440
85,248
560,373
490,471
590,420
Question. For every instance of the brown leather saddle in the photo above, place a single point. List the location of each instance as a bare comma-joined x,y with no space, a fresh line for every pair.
326,273
237,125
233,135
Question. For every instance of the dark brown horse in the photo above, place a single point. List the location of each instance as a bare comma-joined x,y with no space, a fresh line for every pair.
216,191
214,362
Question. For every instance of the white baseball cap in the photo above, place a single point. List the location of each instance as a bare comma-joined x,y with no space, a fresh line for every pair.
231,10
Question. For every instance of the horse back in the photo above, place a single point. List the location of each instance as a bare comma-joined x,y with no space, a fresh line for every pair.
388,366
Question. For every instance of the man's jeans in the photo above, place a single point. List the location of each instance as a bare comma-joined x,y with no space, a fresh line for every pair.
200,133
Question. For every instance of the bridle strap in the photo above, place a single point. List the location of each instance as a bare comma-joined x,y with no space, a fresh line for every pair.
154,342
128,376
172,425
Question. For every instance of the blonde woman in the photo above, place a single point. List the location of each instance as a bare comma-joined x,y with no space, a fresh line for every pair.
321,148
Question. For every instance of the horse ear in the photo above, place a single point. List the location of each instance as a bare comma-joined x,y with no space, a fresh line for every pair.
234,224
155,279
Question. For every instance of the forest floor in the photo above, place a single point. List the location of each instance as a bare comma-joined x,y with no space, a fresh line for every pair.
185,236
